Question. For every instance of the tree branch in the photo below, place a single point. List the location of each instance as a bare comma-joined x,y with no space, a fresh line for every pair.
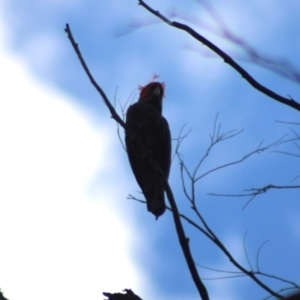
2,296
216,137
184,243
130,295
222,247
253,192
114,115
227,59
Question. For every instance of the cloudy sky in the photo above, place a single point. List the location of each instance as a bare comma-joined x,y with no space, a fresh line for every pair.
67,229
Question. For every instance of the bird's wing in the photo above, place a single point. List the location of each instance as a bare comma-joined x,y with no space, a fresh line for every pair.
153,130
148,135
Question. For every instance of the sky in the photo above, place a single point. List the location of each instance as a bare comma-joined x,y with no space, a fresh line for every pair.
67,229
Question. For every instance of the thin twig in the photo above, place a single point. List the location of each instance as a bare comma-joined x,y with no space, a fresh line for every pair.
246,252
207,230
253,192
258,150
286,122
290,297
286,153
219,271
296,286
258,253
123,116
225,277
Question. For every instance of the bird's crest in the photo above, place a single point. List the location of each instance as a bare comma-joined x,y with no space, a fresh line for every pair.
144,89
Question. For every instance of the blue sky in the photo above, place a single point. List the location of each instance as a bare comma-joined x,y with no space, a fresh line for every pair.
67,229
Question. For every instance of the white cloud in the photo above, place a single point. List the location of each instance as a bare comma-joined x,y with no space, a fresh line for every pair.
57,241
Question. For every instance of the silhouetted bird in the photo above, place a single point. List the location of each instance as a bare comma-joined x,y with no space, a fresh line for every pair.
147,138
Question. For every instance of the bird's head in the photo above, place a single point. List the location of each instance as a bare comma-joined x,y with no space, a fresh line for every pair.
152,93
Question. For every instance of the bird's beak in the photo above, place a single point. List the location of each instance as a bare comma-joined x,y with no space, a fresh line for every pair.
157,91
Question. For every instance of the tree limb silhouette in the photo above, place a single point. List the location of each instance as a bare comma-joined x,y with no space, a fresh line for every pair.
227,59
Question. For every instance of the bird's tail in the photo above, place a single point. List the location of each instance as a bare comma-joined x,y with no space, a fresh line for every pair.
155,200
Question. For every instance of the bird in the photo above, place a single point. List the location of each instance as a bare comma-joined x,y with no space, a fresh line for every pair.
148,140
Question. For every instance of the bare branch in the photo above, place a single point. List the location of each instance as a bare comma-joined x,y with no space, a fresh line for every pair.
286,153
258,253
227,59
285,122
180,139
240,274
218,243
114,114
123,108
290,297
295,178
2,296
221,246
130,295
183,168
294,285
258,191
184,242
220,271
282,67
246,252
255,192
215,138
271,186
225,277
259,149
